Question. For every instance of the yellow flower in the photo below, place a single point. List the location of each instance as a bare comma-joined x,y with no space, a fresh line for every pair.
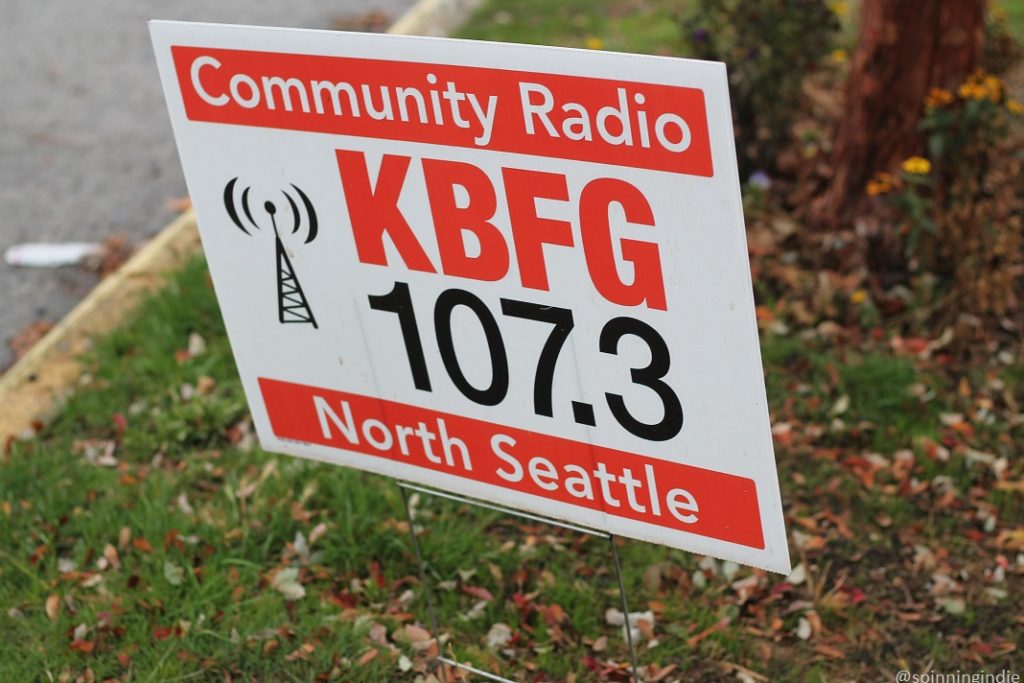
938,97
840,7
859,297
880,184
993,88
971,91
1015,107
917,166
982,86
594,43
839,56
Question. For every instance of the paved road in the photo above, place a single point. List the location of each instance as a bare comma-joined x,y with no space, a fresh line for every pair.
85,144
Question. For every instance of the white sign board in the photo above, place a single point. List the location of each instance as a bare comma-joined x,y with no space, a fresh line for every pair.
516,273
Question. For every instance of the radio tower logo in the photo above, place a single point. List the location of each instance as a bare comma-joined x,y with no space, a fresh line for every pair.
292,305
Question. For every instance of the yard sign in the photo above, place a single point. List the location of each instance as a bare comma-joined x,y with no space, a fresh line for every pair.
516,273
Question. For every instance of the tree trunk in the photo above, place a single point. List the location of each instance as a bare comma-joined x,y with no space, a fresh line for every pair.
905,48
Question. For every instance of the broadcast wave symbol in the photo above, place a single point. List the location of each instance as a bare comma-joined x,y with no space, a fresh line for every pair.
292,305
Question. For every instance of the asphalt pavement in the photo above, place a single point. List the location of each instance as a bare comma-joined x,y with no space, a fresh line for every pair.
86,150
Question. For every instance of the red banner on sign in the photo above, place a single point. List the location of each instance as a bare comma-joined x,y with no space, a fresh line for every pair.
625,123
621,484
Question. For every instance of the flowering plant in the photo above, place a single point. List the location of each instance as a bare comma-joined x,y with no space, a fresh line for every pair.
963,205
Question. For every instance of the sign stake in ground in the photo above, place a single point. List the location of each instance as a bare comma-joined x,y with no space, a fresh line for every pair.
428,589
529,276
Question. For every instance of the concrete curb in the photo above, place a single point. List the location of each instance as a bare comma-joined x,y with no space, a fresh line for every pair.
434,17
35,387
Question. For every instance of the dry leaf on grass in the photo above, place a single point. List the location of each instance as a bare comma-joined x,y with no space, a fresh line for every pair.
286,582
53,607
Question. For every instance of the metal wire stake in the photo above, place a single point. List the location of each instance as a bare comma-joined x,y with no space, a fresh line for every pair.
424,582
402,486
625,608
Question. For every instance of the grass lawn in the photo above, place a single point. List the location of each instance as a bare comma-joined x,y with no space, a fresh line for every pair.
149,540
644,26
162,533
1014,15
649,27
144,537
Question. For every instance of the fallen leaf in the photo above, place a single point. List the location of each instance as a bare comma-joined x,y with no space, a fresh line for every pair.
83,646
829,651
379,634
205,384
841,405
114,251
317,533
499,635
53,606
110,554
953,605
552,614
184,505
173,573
660,674
286,582
411,633
120,424
302,652
720,625
96,451
798,575
478,592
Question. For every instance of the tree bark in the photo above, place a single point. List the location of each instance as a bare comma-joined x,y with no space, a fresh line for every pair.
905,48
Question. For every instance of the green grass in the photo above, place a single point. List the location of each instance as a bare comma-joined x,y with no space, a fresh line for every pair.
1014,16
219,518
641,26
651,27
875,388
242,509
